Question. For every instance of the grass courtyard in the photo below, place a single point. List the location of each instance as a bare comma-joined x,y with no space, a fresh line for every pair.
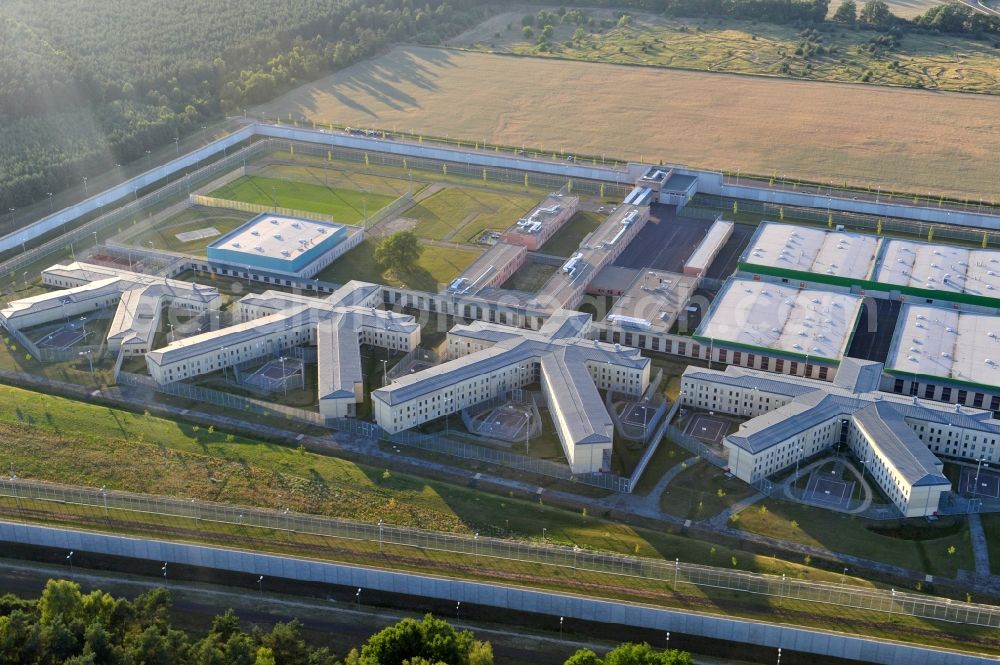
437,265
461,214
702,491
348,206
164,235
567,239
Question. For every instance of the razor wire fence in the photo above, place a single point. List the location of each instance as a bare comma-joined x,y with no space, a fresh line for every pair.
219,398
25,497
439,445
693,445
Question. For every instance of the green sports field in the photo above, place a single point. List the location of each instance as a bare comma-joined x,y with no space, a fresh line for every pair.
349,206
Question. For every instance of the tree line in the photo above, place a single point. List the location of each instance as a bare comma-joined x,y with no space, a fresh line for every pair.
85,86
67,627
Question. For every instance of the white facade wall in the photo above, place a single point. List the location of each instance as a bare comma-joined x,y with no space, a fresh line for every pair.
454,397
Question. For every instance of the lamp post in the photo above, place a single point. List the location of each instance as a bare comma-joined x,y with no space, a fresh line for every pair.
69,557
49,194
543,534
90,359
164,569
843,576
260,585
177,145
12,216
458,610
357,598
797,460
561,619
979,466
149,159
86,190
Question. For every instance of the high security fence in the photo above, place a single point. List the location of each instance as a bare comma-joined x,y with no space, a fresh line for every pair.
435,443
219,398
432,443
23,494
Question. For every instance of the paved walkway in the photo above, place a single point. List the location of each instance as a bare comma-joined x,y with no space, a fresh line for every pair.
722,519
979,547
649,505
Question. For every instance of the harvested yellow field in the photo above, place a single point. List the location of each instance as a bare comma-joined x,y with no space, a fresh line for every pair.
901,139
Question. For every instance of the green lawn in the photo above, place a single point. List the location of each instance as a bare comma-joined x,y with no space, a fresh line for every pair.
437,265
702,491
853,535
342,176
348,206
61,440
530,277
567,239
461,214
991,525
164,236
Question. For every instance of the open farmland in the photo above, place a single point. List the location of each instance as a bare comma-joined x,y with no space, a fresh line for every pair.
902,139
827,53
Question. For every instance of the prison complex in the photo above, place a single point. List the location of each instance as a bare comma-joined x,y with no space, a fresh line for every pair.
274,322
897,438
487,359
138,300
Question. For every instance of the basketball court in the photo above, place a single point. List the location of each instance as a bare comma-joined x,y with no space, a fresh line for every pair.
830,492
638,414
277,374
707,429
505,422
986,486
63,338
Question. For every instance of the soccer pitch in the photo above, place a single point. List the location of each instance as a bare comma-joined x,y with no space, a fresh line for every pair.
348,206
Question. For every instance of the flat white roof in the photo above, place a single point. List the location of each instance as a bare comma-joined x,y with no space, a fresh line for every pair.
276,236
809,322
944,268
709,246
807,249
947,343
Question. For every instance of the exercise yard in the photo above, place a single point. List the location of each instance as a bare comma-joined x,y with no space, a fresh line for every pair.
186,231
979,483
707,429
461,214
567,239
347,206
437,265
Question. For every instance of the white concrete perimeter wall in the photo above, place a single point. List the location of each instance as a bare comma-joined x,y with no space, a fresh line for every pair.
127,188
493,595
562,169
784,197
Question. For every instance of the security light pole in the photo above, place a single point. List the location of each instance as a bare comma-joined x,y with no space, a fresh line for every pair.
979,466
